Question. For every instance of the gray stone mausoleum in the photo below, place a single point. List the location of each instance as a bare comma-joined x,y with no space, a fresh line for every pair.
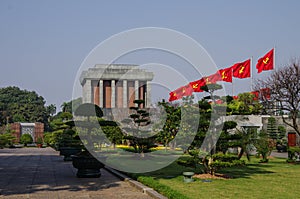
116,85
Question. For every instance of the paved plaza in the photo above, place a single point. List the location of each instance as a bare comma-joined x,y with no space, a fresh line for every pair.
42,173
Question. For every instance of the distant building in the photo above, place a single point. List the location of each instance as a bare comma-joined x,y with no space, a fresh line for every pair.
116,85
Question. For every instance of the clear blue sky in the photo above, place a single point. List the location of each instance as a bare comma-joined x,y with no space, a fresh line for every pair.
42,43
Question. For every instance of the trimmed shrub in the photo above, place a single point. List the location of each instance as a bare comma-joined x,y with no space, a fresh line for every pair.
26,139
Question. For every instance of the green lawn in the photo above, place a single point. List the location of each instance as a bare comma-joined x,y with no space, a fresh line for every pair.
276,179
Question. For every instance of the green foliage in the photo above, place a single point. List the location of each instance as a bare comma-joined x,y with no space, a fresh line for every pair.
210,88
6,140
245,138
139,137
225,139
281,132
217,164
264,146
39,140
245,105
48,138
88,110
250,181
71,105
26,139
170,122
292,152
18,105
51,109
163,189
272,129
192,161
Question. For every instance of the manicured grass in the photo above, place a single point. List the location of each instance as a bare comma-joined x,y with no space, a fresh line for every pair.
276,179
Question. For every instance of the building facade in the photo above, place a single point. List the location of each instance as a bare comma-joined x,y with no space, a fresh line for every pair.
116,85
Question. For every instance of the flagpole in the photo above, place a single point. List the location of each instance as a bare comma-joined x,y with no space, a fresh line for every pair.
274,53
251,73
274,63
232,83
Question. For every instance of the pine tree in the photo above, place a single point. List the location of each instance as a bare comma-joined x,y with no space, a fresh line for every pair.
272,129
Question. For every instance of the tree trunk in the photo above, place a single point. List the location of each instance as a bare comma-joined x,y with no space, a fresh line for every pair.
241,153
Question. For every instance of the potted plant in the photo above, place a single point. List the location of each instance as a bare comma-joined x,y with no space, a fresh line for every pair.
39,142
84,161
88,166
69,144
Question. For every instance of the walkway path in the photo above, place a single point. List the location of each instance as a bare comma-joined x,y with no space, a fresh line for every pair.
42,173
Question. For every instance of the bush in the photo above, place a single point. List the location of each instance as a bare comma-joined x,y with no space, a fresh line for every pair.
48,138
26,139
292,153
6,140
221,160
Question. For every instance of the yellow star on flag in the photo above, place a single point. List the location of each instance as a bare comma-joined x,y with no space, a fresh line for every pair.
241,70
265,61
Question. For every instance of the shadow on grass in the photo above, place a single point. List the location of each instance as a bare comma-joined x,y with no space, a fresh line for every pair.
246,171
174,170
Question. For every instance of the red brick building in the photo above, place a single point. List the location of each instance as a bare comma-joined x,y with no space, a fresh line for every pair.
36,130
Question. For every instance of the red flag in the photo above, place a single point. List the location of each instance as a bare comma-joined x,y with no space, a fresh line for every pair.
266,62
212,79
173,96
242,69
196,85
226,74
265,93
180,92
186,90
219,101
256,94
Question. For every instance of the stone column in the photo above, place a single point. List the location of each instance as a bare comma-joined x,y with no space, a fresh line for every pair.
125,93
136,90
148,94
87,91
113,93
95,87
101,99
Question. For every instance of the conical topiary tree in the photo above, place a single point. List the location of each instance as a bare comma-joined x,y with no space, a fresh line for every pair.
88,110
272,129
139,137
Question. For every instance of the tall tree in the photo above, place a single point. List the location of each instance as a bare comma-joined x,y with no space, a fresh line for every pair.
18,105
136,129
284,84
272,129
71,105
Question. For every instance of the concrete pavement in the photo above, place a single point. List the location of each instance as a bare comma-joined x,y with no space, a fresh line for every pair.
42,173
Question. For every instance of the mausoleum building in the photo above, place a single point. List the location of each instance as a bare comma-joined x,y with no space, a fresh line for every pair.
116,85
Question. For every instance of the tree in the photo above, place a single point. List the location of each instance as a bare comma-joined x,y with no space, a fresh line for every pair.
284,84
89,110
71,105
136,131
225,139
272,129
264,146
171,124
6,139
51,109
18,105
247,138
245,105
